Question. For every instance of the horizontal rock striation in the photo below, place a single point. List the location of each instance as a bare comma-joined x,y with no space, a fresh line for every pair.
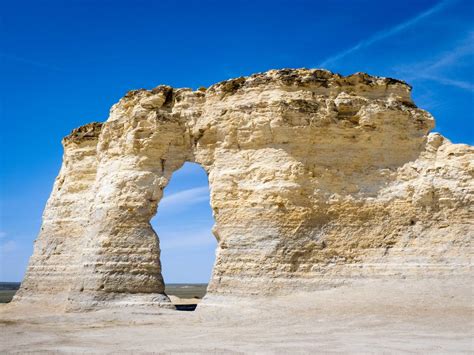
316,179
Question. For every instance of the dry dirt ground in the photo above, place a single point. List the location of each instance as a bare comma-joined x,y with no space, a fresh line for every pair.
427,316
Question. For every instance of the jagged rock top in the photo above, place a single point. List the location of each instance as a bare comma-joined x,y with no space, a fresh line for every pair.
292,77
318,82
88,131
305,78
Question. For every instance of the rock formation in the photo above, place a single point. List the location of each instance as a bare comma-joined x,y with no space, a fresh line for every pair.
316,179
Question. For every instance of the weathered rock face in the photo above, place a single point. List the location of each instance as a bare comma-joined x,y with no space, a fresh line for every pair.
316,179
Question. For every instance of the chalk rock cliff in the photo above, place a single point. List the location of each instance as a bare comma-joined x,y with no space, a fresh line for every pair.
316,179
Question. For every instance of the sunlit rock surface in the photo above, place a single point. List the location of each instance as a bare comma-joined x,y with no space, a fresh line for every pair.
316,180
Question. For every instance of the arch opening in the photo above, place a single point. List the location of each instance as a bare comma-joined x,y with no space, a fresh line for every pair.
183,223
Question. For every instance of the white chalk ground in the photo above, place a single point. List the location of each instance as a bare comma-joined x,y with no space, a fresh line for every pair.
430,316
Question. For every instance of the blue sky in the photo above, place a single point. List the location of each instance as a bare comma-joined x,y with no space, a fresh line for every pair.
64,63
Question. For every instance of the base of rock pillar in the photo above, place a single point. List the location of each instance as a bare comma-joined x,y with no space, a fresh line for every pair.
90,302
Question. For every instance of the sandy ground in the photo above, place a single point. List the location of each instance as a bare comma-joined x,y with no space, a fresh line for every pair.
430,316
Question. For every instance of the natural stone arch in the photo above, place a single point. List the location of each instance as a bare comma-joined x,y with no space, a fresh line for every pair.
315,179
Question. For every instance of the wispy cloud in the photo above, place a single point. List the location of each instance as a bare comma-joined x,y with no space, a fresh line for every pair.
385,34
8,247
456,83
34,63
432,70
465,48
188,238
184,198
3,234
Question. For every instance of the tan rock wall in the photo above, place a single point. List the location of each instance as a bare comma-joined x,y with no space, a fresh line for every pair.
316,179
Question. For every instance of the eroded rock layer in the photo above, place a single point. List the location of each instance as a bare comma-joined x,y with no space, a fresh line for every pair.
316,179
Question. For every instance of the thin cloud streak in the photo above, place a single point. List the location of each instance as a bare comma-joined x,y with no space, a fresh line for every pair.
456,83
385,34
432,70
31,62
188,239
8,247
453,56
184,198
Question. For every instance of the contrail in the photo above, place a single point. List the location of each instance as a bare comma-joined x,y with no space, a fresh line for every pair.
384,34
30,62
433,70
